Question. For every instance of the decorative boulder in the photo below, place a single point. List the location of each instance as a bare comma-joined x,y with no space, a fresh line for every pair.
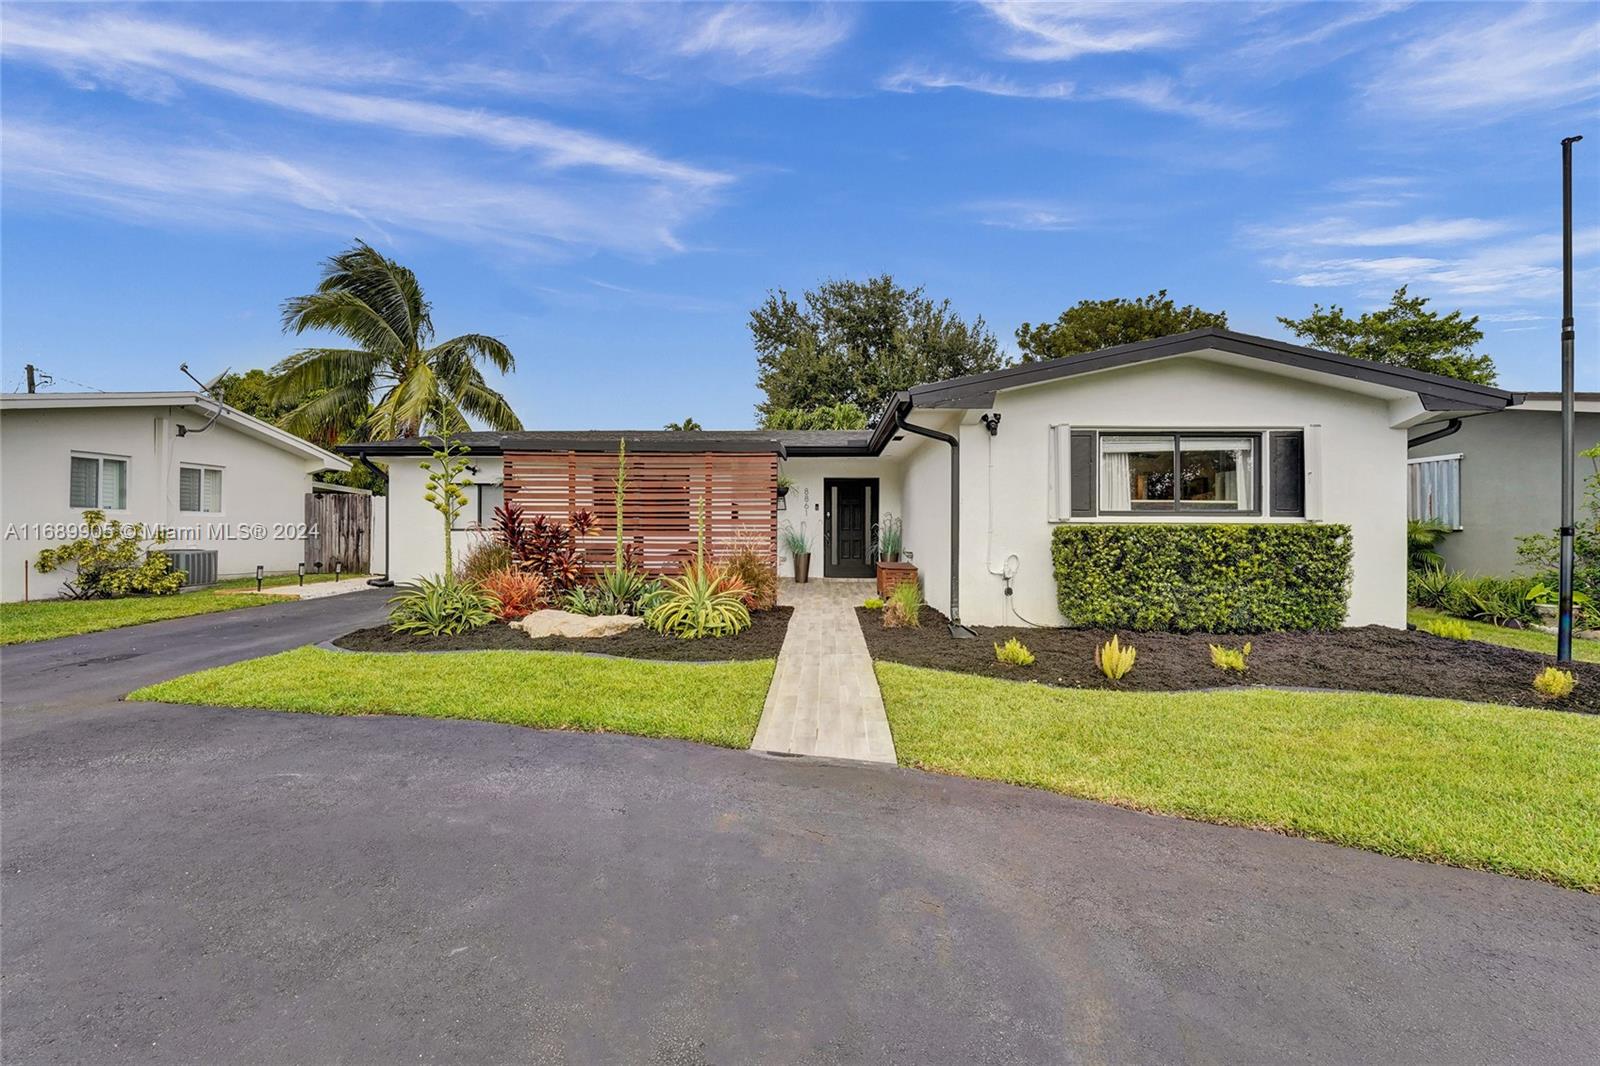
566,624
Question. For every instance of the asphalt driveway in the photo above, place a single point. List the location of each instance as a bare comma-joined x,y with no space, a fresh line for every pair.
197,884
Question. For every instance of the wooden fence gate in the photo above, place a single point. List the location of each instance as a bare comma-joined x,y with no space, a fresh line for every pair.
338,530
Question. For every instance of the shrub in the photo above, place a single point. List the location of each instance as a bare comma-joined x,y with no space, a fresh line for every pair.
1226,658
888,539
1449,628
1423,537
873,603
543,545
1541,552
757,575
1215,578
482,559
439,607
515,593
1114,659
1013,653
1554,684
904,606
1430,587
1489,599
112,560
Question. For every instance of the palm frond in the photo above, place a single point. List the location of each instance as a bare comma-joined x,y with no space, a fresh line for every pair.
347,314
477,347
487,406
330,416
310,370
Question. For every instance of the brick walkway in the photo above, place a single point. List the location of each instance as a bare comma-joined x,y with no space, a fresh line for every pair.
824,698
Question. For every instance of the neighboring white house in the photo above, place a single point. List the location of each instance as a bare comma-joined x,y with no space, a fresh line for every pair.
1258,430
1496,477
228,483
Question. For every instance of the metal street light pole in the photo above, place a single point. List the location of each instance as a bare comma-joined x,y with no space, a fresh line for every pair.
1568,520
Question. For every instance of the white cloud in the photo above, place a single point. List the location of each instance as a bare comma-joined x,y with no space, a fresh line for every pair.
1347,233
352,193
1032,215
912,80
1054,32
1153,93
767,40
1487,67
152,59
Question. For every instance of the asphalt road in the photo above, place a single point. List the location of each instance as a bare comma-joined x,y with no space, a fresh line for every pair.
206,885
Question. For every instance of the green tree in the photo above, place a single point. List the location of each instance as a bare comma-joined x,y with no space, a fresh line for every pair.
1090,325
686,426
395,376
251,392
1403,334
858,342
838,416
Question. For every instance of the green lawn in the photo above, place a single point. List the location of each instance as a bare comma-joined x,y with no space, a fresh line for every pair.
21,623
46,619
1587,651
716,703
1496,788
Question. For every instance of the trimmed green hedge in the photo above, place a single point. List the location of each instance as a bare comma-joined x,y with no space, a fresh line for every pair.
1213,578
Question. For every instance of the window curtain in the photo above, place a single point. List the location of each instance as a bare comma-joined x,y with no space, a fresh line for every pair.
211,495
1116,482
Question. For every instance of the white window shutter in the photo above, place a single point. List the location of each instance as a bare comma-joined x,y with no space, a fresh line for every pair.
85,488
1059,489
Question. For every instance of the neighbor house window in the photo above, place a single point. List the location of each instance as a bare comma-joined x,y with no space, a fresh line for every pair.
99,481
1156,472
1434,489
199,489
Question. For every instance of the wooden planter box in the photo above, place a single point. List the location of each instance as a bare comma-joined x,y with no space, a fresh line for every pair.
892,574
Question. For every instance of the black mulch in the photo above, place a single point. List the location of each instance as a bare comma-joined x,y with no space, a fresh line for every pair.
1368,659
761,641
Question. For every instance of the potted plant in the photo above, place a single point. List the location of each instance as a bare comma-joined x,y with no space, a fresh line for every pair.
798,546
886,546
785,483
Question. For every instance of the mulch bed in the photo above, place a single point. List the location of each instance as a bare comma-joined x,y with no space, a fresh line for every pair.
761,641
1368,659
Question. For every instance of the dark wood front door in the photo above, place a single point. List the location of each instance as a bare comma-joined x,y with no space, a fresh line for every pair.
850,511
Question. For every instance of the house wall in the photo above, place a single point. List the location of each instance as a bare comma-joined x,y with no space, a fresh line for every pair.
802,507
927,505
1510,483
1355,463
263,488
416,538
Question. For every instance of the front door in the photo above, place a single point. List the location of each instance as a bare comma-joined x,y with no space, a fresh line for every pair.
850,512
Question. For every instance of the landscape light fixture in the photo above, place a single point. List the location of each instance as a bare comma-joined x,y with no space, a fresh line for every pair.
260,571
302,574
338,568
1568,338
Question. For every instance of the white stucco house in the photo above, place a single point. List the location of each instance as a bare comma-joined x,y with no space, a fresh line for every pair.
1207,426
219,479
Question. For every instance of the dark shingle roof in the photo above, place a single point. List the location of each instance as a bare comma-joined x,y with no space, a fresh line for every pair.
781,442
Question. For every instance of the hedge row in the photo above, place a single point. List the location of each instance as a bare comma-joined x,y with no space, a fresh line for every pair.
1222,578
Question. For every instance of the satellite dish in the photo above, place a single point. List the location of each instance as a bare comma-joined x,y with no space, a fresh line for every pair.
1011,567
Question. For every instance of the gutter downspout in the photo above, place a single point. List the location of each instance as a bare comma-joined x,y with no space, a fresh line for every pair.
1450,428
383,582
956,628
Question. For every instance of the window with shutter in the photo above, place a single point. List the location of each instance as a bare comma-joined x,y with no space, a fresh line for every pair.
1083,476
114,484
85,491
199,489
1433,488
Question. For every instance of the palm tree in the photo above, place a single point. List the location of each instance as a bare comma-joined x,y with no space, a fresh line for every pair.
395,377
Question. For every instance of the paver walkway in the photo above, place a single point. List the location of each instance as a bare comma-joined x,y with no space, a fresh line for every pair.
824,698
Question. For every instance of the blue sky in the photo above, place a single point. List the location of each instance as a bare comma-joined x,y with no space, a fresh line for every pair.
610,189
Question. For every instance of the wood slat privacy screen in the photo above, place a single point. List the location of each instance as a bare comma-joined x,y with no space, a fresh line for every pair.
659,512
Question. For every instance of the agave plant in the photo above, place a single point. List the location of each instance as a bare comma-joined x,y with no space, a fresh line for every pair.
437,607
700,602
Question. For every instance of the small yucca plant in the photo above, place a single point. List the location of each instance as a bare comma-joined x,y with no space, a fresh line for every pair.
1451,628
1013,653
1226,658
1115,660
1554,684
